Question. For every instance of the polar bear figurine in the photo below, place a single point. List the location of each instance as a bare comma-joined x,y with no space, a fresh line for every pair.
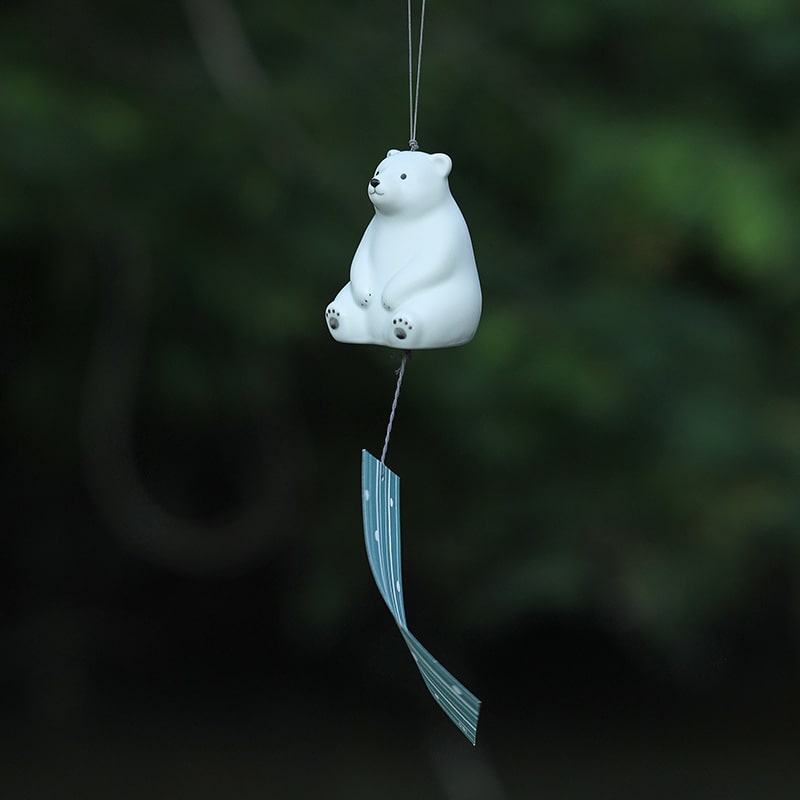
413,281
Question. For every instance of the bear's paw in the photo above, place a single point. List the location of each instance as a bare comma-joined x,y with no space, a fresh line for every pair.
402,329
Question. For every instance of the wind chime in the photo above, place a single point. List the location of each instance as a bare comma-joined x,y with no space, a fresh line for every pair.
413,285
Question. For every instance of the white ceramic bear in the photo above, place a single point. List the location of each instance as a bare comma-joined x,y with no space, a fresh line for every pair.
413,281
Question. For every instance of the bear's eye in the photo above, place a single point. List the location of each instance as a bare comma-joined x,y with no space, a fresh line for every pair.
403,177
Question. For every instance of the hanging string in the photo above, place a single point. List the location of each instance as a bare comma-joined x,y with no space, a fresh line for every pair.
400,373
413,94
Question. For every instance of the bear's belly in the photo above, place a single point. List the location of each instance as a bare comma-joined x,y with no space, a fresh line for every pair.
388,256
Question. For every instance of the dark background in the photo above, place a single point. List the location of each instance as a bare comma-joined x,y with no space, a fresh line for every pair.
601,493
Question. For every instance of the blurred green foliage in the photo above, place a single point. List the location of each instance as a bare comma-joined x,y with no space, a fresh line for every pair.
623,435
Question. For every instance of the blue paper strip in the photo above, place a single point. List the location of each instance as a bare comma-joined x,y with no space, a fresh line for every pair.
380,493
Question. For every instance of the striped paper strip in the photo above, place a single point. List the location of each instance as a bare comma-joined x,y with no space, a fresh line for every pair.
380,493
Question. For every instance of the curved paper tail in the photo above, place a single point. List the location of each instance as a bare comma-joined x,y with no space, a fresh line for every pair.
380,498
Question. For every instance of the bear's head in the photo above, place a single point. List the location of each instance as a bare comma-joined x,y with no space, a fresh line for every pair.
410,182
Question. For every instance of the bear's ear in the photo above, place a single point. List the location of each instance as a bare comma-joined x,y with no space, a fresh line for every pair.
392,153
442,163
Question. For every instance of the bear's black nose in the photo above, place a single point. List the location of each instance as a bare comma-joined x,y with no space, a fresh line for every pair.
374,182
